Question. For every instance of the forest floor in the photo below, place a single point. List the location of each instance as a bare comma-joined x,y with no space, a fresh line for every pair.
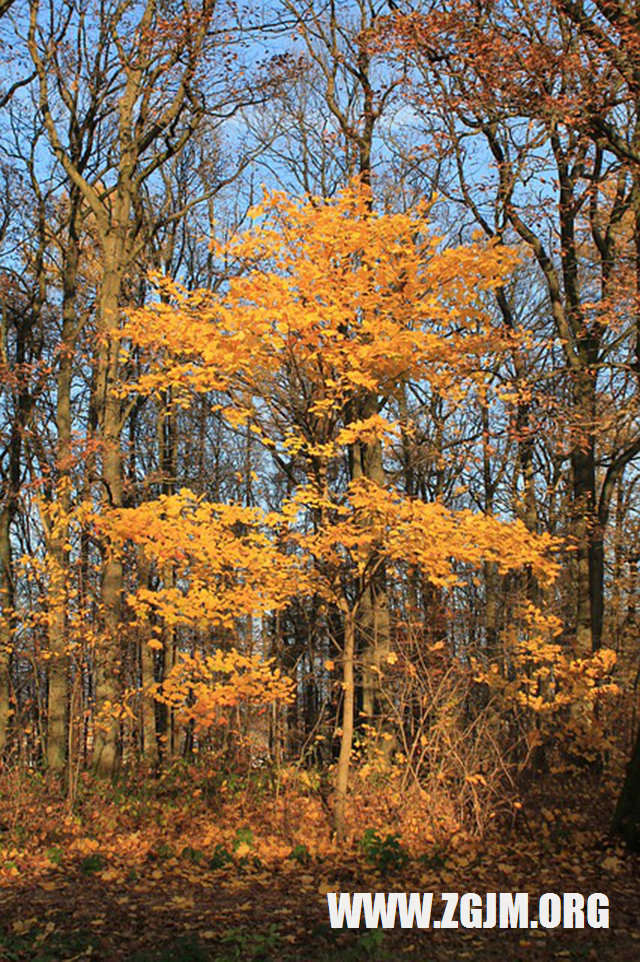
152,875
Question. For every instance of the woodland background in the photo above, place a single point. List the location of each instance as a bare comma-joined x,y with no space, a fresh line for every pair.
319,440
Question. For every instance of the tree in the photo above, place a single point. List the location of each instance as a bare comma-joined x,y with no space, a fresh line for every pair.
534,95
626,818
332,302
127,101
21,365
333,118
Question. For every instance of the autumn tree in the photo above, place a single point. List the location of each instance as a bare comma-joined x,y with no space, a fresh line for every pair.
22,303
334,301
609,35
333,116
301,451
518,85
127,102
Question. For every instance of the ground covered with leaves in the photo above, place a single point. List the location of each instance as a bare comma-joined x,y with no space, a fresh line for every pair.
193,866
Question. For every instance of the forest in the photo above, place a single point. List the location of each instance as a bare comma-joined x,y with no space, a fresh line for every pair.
319,475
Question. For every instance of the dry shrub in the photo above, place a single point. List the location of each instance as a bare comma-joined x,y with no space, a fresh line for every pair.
465,730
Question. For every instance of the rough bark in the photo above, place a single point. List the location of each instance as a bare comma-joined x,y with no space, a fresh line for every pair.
110,424
346,741
6,606
626,819
58,667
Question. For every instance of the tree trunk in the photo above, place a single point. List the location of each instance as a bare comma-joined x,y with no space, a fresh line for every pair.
373,621
59,656
492,578
58,662
108,660
626,818
147,673
589,560
6,607
346,742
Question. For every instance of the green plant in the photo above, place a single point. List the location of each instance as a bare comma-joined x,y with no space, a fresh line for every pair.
383,853
193,855
43,945
435,859
54,855
221,857
242,844
361,945
240,945
162,851
92,863
244,836
370,943
300,854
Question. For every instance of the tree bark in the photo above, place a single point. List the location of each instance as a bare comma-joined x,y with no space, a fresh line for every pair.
108,662
626,818
6,608
348,711
589,577
57,740
373,622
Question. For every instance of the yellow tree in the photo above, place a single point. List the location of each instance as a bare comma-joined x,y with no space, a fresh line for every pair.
331,301
143,70
334,308
371,526
226,563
